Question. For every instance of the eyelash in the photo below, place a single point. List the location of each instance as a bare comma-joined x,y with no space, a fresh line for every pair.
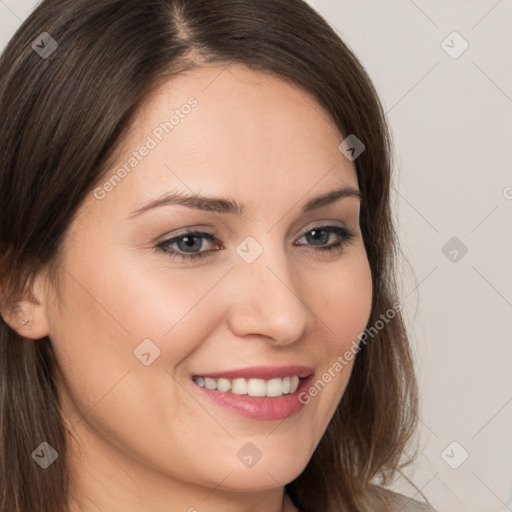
344,233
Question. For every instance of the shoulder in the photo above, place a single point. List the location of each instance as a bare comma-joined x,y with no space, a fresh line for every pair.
396,502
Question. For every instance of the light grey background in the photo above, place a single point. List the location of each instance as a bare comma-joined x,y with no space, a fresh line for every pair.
451,120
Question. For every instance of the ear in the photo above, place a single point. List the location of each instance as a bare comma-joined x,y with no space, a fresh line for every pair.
28,316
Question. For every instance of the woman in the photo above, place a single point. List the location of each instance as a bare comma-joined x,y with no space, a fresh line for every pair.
198,300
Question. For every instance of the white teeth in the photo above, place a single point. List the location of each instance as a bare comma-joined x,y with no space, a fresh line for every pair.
210,383
256,387
275,387
294,384
239,387
252,387
286,385
223,385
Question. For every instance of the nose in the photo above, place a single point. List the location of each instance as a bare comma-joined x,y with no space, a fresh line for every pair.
266,300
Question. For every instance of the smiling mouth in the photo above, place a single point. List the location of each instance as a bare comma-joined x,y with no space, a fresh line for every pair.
271,388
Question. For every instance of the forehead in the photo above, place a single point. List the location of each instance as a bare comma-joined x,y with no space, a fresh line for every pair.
238,93
228,128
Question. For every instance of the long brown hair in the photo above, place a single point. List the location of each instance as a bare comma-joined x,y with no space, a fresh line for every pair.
63,117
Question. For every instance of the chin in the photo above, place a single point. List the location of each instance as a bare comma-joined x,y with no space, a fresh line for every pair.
268,472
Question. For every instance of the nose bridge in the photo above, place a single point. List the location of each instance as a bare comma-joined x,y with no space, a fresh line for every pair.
268,300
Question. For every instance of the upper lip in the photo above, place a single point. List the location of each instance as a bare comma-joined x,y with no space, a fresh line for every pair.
260,372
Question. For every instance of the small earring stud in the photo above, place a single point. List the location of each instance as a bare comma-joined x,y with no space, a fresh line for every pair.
23,322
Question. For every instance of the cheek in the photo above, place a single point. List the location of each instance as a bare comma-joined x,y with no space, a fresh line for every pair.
103,318
112,306
344,301
343,308
112,314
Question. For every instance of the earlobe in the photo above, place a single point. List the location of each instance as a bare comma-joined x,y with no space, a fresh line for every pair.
28,316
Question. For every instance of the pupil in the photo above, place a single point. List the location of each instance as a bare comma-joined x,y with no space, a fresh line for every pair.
191,242
316,235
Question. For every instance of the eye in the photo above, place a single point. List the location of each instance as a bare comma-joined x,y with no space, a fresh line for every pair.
188,245
319,236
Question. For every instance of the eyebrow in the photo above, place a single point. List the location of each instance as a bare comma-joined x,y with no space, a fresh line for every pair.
228,206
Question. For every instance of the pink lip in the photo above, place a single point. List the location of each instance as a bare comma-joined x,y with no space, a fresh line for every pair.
261,408
261,372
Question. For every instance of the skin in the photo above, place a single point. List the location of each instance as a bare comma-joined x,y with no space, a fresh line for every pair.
145,437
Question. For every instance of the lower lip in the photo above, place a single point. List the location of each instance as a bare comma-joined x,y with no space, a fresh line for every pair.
260,408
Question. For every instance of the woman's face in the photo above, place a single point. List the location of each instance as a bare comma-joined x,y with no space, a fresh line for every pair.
143,326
